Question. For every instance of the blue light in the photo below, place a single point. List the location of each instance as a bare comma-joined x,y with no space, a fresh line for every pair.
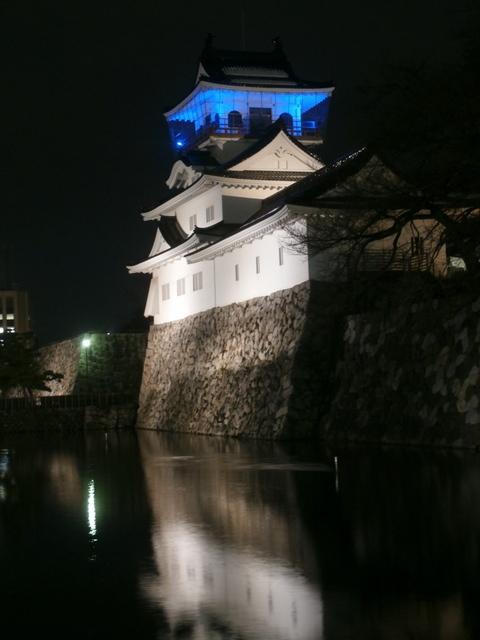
210,108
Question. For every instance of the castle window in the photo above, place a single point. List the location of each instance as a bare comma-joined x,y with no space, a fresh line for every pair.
193,222
198,281
257,264
181,287
260,119
280,256
210,214
237,272
166,291
235,120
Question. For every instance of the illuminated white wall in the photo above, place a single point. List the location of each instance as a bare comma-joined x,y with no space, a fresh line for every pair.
220,286
198,206
272,275
189,303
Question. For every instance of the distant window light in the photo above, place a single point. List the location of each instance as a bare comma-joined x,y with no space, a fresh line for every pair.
198,281
280,256
181,287
166,291
193,222
237,272
257,264
210,213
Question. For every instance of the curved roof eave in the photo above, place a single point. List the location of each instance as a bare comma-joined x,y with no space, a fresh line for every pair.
202,184
245,234
147,266
203,84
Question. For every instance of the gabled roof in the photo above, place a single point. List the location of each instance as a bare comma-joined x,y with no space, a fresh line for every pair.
305,191
250,68
269,136
204,182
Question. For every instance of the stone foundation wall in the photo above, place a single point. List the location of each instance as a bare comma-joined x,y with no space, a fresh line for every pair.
112,363
249,369
62,357
292,366
40,419
410,375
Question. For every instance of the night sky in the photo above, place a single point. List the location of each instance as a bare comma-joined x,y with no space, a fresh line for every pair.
85,145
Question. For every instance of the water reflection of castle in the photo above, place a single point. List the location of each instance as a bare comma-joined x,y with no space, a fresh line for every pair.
225,553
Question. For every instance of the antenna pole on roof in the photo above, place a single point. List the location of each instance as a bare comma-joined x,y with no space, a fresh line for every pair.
243,28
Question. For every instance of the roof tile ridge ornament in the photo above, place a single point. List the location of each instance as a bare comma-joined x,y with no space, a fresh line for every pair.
208,44
278,44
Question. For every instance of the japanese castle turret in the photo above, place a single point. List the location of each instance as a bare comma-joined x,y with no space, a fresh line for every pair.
249,129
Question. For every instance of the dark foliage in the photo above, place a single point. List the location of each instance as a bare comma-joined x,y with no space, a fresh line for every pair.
19,365
419,191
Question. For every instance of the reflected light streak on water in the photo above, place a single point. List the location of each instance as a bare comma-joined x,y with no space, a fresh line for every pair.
92,518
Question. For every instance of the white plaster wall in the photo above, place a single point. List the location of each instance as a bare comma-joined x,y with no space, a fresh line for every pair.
239,209
199,206
272,277
177,307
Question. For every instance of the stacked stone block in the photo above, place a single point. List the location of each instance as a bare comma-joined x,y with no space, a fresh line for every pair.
411,375
232,371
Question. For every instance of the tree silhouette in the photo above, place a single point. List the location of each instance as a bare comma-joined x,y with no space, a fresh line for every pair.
19,366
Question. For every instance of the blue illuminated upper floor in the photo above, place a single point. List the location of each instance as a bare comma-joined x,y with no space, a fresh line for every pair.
232,113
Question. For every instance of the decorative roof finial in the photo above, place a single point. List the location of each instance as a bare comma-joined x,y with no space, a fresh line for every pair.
209,41
277,43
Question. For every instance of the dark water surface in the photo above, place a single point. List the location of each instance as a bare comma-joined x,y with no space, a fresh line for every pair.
151,536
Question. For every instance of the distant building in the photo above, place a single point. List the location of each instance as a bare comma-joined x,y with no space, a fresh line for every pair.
15,311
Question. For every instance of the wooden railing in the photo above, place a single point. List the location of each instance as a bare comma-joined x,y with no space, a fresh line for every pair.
306,131
70,402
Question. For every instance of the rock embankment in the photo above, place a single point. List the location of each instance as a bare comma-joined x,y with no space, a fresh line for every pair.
410,375
248,369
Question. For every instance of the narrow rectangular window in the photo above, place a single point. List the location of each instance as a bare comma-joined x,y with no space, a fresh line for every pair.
210,213
280,256
237,272
165,291
197,281
257,264
193,222
181,287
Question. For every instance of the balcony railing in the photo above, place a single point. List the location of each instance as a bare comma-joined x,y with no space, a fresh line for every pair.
306,131
378,260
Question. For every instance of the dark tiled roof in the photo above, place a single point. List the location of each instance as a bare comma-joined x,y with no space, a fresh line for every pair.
198,158
252,68
315,184
284,176
217,231
171,230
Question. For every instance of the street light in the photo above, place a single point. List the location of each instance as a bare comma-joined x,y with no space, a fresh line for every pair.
86,342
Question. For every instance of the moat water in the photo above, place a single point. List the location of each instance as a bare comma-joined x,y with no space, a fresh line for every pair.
151,536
